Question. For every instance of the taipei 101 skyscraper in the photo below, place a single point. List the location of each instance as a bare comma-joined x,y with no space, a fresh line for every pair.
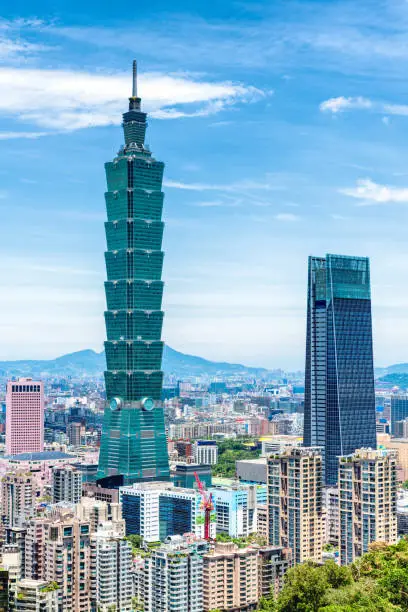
133,443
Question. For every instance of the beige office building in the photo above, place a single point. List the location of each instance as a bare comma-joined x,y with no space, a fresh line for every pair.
367,501
295,514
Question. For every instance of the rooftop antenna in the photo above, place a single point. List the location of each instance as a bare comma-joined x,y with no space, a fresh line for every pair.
134,80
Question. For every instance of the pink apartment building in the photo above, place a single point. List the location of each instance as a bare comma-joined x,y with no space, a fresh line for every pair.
24,416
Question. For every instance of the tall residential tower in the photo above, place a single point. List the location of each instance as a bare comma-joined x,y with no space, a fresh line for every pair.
133,444
339,377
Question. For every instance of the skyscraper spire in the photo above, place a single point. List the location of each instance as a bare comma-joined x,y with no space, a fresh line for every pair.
134,81
134,100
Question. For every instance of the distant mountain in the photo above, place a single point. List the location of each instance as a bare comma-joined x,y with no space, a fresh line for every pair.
397,368
88,363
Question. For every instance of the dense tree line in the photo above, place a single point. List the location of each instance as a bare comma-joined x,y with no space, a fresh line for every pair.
378,582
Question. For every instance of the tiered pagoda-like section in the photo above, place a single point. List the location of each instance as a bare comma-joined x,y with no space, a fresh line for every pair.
133,444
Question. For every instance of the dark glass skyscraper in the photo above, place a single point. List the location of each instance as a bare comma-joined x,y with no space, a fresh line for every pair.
133,444
339,377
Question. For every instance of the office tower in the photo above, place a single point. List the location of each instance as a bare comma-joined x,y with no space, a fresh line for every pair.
230,578
401,429
111,563
237,508
399,412
184,475
57,549
205,451
66,484
273,563
368,501
174,576
295,502
36,596
339,376
18,494
133,443
158,510
74,432
24,416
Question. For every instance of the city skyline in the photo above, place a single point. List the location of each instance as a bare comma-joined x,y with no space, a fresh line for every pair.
307,108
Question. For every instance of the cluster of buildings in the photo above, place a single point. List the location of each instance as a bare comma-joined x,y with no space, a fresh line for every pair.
132,517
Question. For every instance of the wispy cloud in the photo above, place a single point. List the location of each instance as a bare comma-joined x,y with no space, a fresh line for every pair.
342,104
286,217
70,100
337,105
370,193
244,185
23,135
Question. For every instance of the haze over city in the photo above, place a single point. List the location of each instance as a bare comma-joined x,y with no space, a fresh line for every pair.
282,126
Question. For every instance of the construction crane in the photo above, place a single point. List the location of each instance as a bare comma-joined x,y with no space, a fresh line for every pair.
206,504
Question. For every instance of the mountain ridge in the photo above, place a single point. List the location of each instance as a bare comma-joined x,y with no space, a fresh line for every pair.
88,362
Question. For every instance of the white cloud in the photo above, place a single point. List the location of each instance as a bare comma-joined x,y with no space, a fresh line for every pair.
370,193
337,105
14,135
70,100
340,104
287,217
243,185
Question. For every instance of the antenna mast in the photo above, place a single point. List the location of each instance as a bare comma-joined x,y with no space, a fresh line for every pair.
134,80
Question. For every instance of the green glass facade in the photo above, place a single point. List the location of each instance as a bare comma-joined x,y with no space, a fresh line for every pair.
133,443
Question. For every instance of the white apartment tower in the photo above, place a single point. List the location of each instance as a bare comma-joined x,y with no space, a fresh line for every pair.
174,576
111,562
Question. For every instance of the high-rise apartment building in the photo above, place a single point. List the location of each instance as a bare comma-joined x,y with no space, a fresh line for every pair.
367,501
273,563
111,562
133,443
18,494
339,377
75,432
35,596
24,416
205,452
66,484
295,502
95,512
230,578
57,549
174,576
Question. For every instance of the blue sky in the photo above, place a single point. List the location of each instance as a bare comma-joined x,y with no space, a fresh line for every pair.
283,128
